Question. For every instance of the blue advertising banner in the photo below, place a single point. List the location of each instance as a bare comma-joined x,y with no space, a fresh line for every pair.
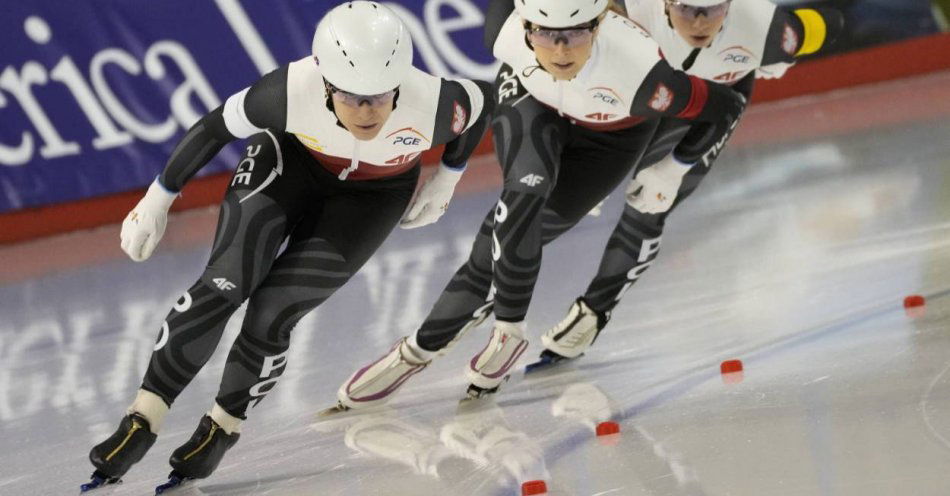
94,95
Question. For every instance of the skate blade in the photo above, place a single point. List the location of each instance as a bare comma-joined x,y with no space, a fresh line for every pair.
174,484
333,410
99,483
548,363
476,393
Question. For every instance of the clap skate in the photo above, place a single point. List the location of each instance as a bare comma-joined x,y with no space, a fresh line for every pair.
375,383
200,455
490,367
571,337
116,455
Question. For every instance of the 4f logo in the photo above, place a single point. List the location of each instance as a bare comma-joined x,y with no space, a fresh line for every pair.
403,159
729,76
600,116
223,284
532,180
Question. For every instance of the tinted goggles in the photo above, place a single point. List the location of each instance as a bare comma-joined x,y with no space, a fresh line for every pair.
354,100
571,37
692,12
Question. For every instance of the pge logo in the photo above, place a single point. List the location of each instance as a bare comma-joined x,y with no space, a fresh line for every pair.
738,58
410,138
509,86
605,98
606,95
737,54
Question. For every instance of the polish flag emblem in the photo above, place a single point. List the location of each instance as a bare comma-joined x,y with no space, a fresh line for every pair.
459,118
789,40
662,98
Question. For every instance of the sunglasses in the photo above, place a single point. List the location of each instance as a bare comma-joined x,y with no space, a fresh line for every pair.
571,37
354,100
692,12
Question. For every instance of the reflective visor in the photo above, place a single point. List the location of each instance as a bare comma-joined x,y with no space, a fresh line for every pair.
692,12
354,100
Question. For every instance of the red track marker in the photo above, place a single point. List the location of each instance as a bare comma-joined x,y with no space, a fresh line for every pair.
915,306
534,487
608,428
732,371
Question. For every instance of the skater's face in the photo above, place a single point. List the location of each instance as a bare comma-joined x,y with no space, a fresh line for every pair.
563,52
362,115
697,25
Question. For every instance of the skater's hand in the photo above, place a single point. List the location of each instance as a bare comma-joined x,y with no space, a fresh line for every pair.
654,189
144,226
433,198
773,71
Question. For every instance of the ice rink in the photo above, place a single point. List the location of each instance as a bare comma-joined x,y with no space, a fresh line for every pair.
794,256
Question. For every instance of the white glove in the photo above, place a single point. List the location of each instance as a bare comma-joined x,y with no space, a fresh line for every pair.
773,71
144,226
433,198
654,189
598,209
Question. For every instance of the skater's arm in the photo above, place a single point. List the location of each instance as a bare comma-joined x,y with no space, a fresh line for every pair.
464,114
460,122
666,92
263,105
800,32
715,108
496,14
703,143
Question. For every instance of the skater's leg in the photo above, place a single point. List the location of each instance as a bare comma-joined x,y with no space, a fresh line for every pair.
580,328
630,251
635,241
326,248
464,303
252,224
250,228
324,252
528,139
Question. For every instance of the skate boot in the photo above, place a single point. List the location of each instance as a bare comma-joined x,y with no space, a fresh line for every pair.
571,337
116,455
375,383
490,367
197,458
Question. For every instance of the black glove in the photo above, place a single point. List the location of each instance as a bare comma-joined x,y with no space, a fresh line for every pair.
713,126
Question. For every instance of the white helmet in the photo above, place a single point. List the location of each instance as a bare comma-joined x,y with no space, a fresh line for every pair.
560,13
702,3
363,48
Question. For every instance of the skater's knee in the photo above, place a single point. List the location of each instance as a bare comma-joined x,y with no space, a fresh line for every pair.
249,236
272,312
